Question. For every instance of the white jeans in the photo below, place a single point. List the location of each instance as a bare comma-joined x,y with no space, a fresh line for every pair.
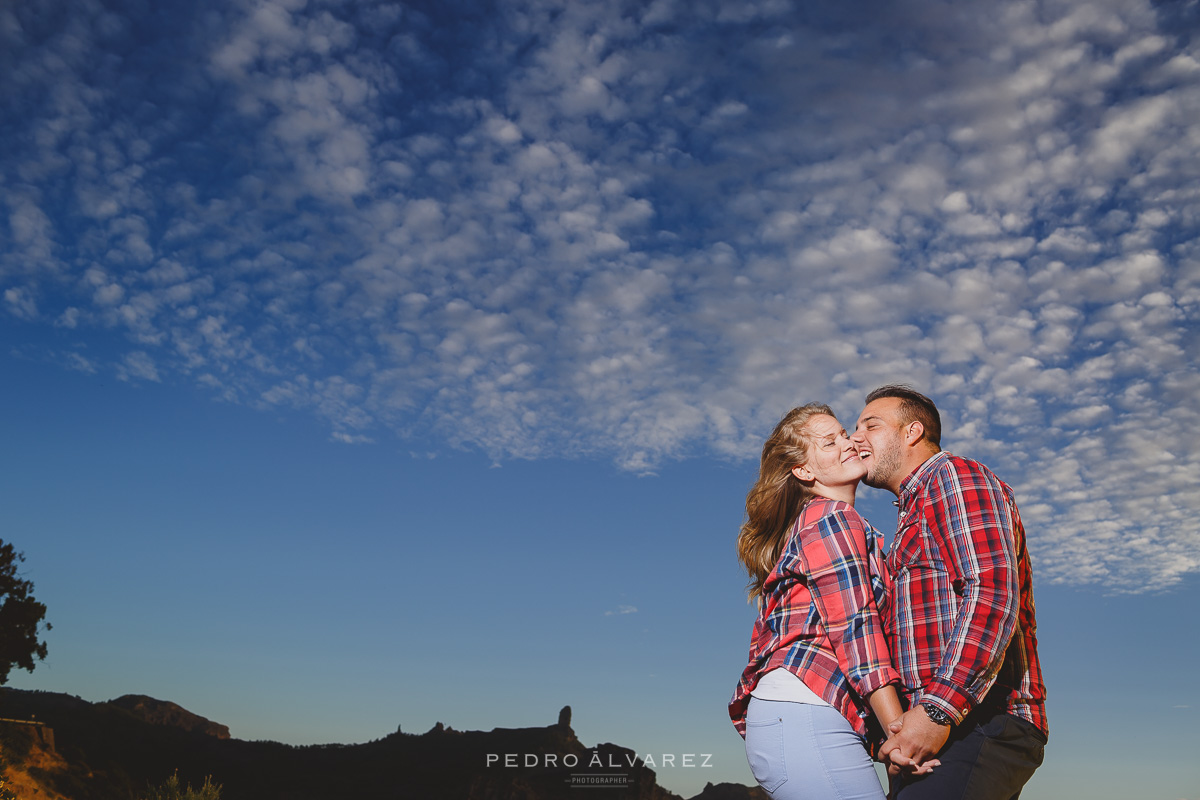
799,751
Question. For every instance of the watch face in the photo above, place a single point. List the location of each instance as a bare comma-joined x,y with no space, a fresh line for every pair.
936,714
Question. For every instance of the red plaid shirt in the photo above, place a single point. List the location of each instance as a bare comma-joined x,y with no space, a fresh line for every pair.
819,615
961,625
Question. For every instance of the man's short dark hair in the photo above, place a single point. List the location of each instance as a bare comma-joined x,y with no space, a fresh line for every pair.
913,406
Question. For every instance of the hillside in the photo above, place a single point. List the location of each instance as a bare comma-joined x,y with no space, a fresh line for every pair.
114,750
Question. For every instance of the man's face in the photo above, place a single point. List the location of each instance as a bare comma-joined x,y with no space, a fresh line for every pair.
878,439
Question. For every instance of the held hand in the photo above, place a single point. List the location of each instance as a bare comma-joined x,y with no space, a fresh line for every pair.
914,741
895,761
911,767
887,753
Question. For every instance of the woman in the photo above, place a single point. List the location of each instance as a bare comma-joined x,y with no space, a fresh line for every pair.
819,664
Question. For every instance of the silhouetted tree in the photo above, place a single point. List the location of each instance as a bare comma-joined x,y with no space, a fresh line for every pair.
20,616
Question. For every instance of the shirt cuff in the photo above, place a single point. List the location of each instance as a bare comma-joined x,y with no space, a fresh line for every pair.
949,698
876,680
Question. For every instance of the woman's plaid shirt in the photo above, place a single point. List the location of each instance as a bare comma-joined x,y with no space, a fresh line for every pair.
961,625
819,616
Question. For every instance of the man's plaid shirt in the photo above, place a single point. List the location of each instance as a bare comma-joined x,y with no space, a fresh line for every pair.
819,615
961,621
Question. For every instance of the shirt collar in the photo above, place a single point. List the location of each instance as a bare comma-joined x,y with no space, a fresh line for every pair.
919,477
813,510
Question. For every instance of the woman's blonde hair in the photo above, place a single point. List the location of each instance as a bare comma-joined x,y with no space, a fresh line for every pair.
775,500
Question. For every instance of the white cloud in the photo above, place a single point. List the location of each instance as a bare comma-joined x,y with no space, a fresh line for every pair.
622,609
20,303
138,365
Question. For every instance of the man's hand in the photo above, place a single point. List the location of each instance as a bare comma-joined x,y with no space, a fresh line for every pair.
915,740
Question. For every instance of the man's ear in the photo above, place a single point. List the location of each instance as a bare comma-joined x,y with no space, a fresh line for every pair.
803,473
914,432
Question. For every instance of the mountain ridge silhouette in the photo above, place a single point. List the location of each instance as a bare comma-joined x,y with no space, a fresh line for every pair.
115,750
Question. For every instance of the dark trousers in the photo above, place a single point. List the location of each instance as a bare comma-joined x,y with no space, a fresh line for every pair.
989,756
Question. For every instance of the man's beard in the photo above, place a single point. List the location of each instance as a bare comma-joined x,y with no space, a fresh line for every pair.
882,466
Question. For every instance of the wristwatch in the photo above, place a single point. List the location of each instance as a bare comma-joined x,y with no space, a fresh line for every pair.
936,715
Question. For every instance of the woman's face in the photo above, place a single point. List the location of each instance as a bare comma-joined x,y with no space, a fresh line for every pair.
832,458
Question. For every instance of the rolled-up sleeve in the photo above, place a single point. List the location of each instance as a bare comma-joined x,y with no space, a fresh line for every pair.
972,522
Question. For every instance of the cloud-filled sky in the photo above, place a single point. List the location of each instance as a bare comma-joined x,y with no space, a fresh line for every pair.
639,230
635,233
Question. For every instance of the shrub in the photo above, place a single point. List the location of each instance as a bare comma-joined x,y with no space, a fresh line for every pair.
171,790
6,790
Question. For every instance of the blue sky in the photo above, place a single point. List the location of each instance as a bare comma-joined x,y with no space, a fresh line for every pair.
378,364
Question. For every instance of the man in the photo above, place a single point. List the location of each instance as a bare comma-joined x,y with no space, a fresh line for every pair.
961,622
